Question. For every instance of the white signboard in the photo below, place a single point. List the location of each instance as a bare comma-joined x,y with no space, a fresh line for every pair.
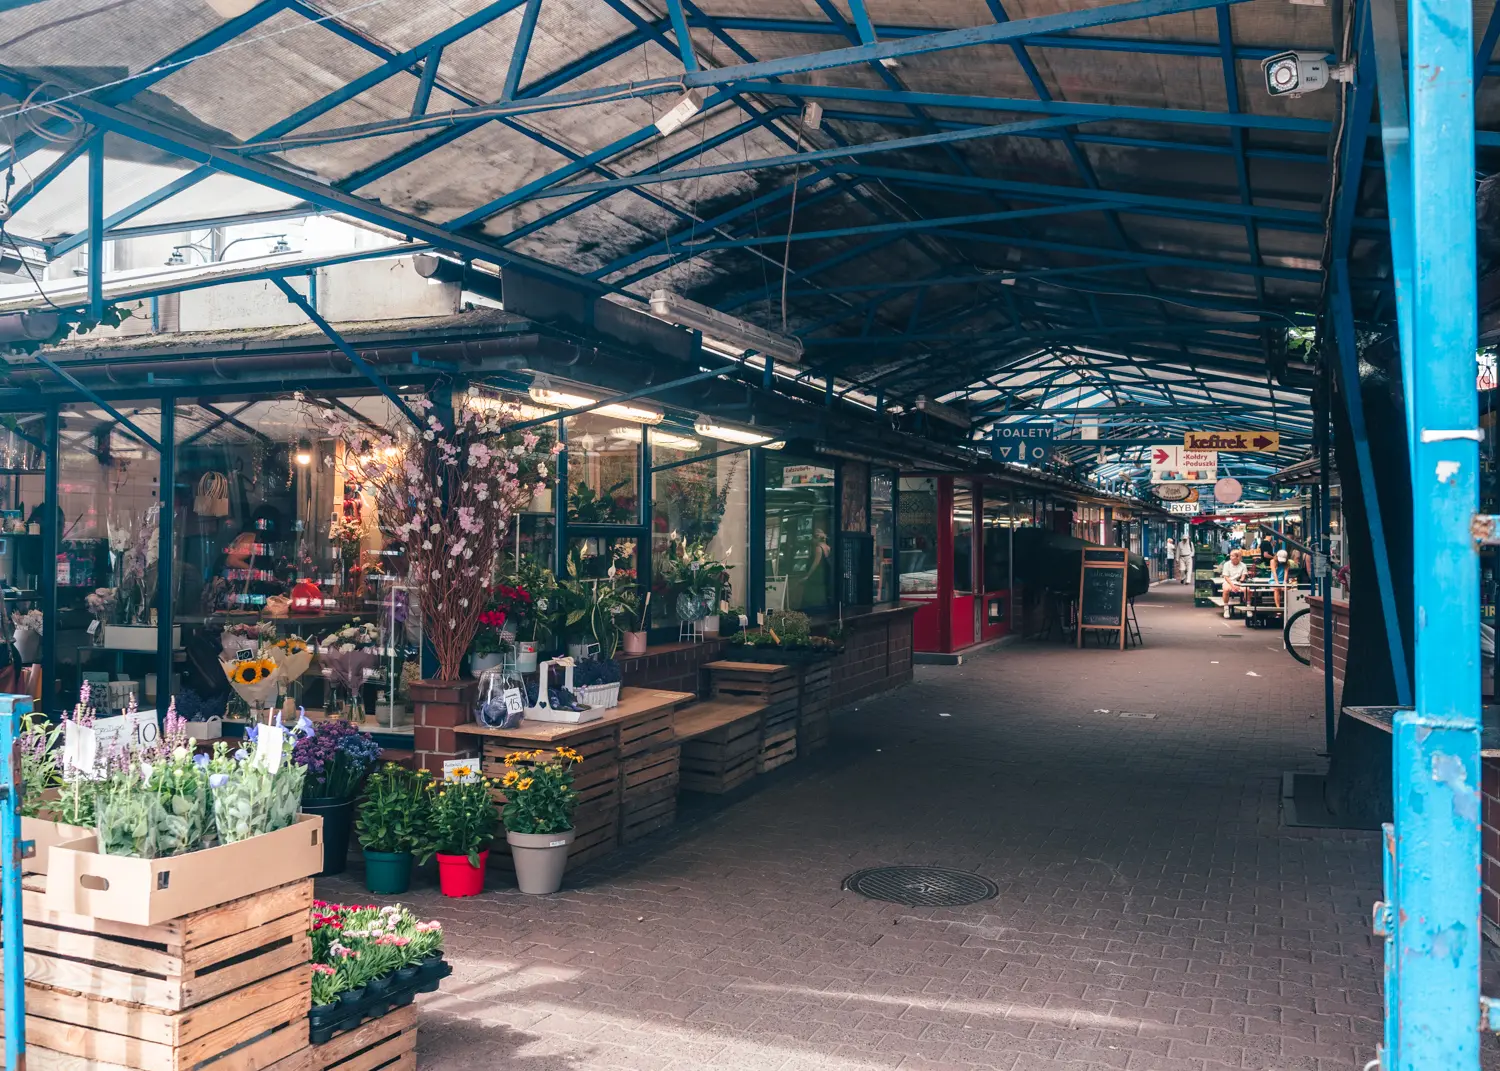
1173,464
1187,508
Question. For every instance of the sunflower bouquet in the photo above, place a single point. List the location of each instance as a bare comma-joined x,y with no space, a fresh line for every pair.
255,680
293,655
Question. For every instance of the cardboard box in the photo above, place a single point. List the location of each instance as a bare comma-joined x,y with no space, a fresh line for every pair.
44,834
145,892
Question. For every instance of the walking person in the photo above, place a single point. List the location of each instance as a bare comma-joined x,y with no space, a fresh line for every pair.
1171,558
1184,559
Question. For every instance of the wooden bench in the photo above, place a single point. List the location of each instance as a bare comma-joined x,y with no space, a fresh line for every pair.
721,742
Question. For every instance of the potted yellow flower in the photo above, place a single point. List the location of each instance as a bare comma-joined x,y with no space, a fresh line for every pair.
463,826
538,815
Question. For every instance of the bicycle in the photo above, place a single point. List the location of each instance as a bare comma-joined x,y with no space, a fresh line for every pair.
1296,635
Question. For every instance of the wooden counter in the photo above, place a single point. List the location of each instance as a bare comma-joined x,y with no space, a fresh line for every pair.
627,782
1384,719
635,703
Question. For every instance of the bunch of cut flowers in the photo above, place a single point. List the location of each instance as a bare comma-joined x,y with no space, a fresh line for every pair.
349,654
256,793
359,946
157,803
337,757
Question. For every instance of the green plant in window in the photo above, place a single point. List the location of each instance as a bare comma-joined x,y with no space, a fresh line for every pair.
587,506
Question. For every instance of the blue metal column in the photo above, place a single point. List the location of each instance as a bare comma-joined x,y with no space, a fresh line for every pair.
1433,1007
166,553
96,226
51,545
10,894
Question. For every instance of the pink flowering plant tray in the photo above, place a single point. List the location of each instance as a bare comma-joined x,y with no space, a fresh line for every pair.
369,960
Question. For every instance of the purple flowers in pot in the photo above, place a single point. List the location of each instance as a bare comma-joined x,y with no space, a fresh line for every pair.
338,757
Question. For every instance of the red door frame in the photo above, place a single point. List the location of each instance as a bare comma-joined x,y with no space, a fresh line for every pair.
944,536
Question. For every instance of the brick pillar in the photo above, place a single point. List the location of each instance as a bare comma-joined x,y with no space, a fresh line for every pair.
442,705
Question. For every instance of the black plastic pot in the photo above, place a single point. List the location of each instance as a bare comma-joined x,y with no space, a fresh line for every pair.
378,987
338,817
352,996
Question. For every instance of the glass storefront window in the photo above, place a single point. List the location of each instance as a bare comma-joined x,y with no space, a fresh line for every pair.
883,529
997,529
277,547
596,555
916,535
799,524
109,505
963,537
700,504
604,465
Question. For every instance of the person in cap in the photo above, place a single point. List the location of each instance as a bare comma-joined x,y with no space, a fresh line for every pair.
1280,575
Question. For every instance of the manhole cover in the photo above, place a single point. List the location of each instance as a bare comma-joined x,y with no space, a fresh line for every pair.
921,886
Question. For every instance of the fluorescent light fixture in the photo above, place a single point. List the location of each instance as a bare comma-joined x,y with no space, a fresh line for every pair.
567,399
737,334
630,433
675,442
730,434
483,403
681,113
946,413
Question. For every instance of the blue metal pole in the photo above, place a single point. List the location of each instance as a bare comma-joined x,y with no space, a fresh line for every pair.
521,50
166,557
1436,746
96,226
10,877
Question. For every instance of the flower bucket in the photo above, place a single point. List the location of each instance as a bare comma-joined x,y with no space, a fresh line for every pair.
634,642
387,873
337,816
710,625
481,662
457,878
540,859
526,656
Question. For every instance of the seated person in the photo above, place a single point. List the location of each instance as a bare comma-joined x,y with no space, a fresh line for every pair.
1235,572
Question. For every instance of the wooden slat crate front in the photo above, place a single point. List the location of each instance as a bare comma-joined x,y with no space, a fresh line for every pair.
597,782
388,1042
231,979
724,757
814,715
649,792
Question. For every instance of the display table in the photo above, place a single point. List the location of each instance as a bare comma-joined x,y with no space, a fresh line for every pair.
628,780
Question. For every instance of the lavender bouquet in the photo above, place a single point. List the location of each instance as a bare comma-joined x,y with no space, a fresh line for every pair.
338,757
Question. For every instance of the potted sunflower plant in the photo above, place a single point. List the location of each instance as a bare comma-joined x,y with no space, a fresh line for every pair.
538,815
462,824
392,816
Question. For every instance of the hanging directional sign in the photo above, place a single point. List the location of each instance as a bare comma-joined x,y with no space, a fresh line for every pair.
1172,492
1267,442
1190,509
1026,443
1173,464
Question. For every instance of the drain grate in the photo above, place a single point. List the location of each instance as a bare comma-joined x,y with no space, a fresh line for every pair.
921,886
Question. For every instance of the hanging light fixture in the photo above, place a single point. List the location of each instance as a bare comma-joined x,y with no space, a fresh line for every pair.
569,399
730,433
304,452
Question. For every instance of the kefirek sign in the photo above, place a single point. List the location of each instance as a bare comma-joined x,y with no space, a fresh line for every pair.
1267,442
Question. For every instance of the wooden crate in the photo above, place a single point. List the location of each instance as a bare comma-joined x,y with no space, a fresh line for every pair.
720,744
814,713
648,800
228,984
775,686
646,734
777,749
387,1042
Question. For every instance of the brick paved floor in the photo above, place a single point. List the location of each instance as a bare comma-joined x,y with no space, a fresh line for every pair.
1153,914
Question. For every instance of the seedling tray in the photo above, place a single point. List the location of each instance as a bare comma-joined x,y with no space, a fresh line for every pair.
342,1017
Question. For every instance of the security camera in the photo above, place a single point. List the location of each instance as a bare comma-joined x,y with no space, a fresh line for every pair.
1291,74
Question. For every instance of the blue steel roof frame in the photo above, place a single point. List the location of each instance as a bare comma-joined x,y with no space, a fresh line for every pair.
685,16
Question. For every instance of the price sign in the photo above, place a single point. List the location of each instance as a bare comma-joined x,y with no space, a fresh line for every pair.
514,702
461,771
268,748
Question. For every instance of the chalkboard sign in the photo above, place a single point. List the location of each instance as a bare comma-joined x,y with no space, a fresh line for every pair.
1101,591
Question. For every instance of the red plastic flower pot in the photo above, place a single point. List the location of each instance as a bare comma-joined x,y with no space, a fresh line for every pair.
457,878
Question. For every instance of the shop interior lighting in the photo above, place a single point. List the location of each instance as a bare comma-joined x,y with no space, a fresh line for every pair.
567,399
731,331
731,434
675,442
483,403
681,113
304,452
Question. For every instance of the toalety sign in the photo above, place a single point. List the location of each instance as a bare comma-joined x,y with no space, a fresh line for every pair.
1026,443
1257,441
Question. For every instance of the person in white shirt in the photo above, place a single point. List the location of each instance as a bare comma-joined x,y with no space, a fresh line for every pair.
1184,560
1234,572
1171,555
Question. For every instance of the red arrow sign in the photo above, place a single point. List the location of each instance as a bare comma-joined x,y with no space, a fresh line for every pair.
1159,456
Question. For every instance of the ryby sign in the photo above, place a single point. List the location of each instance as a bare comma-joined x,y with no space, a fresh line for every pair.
1028,443
1263,441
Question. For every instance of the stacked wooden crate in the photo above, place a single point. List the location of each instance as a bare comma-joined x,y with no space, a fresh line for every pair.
814,707
650,760
721,741
228,984
776,688
385,1044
